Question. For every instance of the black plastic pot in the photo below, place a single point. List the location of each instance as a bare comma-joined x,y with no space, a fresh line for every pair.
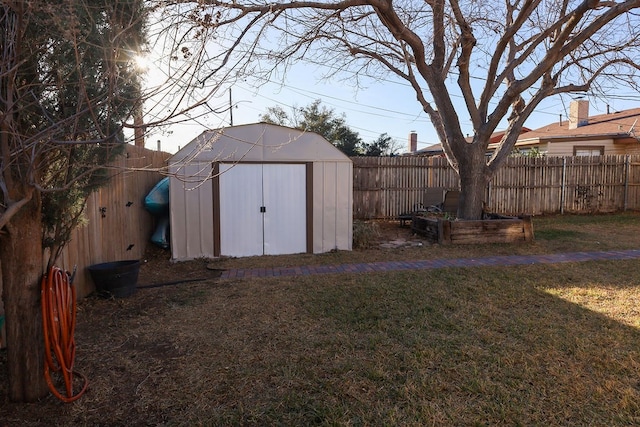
115,279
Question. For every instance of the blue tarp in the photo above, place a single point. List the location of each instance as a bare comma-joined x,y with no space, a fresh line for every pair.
157,203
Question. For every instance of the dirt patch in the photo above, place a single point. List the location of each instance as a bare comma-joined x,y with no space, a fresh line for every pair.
393,236
386,235
157,269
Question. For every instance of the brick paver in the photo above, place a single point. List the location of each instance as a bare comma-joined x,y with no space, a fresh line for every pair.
433,263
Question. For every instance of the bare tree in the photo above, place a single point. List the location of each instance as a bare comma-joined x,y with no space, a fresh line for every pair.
501,58
185,71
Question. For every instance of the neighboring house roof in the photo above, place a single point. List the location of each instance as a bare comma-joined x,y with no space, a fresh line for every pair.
620,129
432,150
436,149
619,126
497,136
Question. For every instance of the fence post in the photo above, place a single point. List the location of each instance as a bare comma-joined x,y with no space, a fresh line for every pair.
563,184
627,166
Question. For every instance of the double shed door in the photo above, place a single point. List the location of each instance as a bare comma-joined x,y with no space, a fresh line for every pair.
262,209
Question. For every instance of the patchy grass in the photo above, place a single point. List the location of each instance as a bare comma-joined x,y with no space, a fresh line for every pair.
525,345
557,234
553,234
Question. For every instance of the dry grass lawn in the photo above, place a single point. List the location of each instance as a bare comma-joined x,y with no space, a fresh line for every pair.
528,345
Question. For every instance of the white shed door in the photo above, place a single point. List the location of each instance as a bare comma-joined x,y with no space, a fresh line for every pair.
285,216
262,209
240,218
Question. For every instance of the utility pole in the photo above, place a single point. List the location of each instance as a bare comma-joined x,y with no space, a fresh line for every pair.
230,107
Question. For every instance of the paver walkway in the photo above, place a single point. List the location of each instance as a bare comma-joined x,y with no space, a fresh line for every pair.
433,263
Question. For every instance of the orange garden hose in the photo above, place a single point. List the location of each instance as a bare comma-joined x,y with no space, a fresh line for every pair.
59,322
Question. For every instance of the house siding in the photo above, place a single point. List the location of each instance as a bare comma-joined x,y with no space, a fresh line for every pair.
566,148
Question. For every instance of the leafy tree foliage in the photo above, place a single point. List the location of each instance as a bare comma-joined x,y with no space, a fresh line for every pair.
384,145
533,152
324,121
92,79
321,120
67,84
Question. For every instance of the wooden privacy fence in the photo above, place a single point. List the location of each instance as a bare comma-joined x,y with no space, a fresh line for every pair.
117,227
385,187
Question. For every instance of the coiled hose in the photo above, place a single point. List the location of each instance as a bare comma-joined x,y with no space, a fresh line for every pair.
58,300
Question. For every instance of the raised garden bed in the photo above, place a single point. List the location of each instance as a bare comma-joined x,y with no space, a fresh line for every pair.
496,229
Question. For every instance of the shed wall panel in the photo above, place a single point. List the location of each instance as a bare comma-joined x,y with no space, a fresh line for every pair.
318,207
333,206
191,202
344,209
328,199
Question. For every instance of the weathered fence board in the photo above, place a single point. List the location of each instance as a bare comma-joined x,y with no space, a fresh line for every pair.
388,186
117,227
123,228
385,187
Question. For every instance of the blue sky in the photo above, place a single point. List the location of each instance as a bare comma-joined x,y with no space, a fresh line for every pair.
386,106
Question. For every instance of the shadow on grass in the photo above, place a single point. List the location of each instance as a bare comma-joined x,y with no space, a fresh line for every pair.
474,347
464,346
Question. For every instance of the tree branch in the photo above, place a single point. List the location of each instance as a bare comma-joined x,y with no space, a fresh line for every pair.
14,207
467,44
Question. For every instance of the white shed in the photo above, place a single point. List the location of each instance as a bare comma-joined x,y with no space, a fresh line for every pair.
259,189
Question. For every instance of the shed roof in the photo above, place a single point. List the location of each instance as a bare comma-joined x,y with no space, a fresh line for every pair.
258,142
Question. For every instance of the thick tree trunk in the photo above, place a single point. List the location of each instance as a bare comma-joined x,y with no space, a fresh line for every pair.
472,191
22,264
473,183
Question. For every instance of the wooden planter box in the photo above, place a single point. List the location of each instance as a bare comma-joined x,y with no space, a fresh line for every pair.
495,230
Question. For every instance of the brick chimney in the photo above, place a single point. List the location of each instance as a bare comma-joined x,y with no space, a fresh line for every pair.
413,141
578,113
